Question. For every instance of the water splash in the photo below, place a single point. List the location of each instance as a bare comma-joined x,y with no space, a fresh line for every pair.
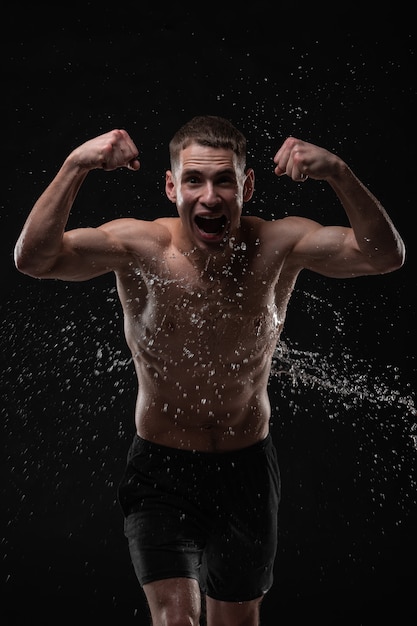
349,382
69,390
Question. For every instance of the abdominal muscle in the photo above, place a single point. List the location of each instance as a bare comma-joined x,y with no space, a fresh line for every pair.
215,401
206,415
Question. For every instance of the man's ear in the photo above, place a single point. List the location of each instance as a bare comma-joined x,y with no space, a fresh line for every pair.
170,186
249,185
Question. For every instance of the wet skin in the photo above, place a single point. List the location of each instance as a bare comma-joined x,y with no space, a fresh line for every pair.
201,320
205,294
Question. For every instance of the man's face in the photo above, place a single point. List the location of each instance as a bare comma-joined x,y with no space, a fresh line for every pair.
209,190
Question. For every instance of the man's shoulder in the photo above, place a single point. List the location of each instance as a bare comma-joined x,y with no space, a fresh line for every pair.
283,231
138,235
258,224
287,221
135,225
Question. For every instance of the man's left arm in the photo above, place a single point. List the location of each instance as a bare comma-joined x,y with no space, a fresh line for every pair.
373,244
375,234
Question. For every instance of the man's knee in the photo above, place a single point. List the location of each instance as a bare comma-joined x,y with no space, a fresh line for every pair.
174,601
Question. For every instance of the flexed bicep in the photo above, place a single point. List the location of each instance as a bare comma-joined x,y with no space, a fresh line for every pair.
85,253
334,252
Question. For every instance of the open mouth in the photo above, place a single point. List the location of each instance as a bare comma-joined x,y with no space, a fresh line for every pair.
211,226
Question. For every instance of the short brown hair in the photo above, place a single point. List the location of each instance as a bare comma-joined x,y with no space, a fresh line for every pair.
212,131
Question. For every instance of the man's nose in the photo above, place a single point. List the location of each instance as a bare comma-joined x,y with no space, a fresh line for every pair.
210,197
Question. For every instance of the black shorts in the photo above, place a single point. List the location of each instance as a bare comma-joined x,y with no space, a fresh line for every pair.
208,516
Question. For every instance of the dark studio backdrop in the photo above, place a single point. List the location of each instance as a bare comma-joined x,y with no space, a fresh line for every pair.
343,382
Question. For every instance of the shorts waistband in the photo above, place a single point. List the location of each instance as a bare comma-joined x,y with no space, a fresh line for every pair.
149,446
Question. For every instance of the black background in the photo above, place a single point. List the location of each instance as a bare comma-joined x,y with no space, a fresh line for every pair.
344,407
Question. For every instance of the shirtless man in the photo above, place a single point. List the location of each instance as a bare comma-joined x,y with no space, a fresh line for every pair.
204,297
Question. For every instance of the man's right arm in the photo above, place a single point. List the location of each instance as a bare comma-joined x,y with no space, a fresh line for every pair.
44,249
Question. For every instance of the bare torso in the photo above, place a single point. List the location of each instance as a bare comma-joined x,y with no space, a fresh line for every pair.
202,338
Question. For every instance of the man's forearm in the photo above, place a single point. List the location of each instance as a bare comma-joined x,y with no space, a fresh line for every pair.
41,238
376,235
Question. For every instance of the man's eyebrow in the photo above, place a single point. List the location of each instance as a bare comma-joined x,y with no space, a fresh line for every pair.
191,171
